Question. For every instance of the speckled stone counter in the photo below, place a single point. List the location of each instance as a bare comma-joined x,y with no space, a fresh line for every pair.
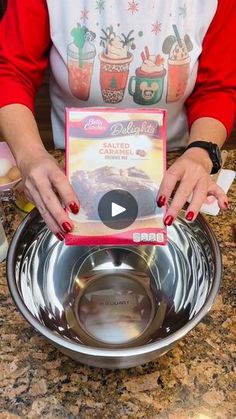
195,380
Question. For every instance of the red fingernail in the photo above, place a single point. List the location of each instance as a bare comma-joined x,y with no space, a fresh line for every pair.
74,207
67,227
60,236
189,216
168,220
226,205
161,201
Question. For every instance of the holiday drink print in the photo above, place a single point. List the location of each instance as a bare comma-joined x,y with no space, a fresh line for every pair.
146,86
178,64
80,55
114,64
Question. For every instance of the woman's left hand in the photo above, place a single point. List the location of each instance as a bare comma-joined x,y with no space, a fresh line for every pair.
191,172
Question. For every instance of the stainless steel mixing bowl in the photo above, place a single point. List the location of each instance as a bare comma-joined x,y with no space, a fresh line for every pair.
114,307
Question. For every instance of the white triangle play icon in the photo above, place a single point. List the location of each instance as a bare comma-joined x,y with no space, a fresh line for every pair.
116,209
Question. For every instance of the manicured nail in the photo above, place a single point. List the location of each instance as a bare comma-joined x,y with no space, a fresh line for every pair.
161,201
168,220
74,207
67,227
226,205
190,216
60,236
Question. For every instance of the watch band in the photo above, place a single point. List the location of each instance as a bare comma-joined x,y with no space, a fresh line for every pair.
200,144
213,151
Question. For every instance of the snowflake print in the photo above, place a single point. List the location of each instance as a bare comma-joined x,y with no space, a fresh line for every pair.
100,5
156,27
84,14
183,11
133,6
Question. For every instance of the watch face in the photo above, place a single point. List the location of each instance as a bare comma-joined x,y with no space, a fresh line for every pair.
216,158
218,152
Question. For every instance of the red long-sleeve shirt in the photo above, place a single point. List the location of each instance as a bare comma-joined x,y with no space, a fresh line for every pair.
29,30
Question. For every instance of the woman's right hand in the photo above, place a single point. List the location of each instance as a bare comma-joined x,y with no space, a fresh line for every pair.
48,188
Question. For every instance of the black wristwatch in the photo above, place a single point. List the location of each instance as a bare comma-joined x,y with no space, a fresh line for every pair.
213,151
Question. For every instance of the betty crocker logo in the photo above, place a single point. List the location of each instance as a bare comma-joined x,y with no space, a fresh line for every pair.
94,125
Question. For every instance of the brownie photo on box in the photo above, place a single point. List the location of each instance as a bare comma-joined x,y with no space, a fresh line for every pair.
91,186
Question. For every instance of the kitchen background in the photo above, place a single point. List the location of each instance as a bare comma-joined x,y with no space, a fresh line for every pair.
43,107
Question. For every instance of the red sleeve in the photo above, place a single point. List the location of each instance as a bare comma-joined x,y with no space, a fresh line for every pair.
214,94
25,43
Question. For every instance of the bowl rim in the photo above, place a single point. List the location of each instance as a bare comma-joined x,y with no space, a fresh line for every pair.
66,344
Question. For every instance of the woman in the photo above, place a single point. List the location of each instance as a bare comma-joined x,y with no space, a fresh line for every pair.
122,54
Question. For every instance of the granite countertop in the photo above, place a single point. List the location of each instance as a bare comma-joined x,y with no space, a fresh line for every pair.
194,380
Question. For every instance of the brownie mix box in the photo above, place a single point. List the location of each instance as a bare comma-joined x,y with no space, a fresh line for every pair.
115,161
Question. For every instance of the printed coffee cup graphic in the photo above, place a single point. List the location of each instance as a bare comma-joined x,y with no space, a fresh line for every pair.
146,86
178,64
114,64
80,56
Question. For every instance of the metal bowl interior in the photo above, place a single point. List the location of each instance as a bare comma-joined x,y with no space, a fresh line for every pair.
114,307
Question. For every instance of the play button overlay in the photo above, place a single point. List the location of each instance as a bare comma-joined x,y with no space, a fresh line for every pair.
118,209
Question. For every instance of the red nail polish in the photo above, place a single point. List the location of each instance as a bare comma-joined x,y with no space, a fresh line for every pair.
67,227
161,201
226,205
60,236
190,216
74,207
168,220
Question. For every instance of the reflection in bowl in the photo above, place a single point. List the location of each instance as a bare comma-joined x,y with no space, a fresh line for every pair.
114,307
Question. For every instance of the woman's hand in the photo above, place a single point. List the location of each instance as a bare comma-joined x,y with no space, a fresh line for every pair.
47,186
191,172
